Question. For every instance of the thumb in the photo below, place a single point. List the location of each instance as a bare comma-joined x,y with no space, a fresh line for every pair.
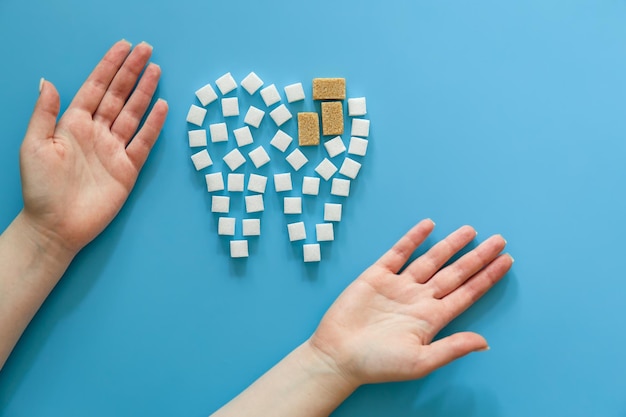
444,351
43,121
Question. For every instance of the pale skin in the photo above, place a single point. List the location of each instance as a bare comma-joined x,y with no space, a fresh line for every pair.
76,175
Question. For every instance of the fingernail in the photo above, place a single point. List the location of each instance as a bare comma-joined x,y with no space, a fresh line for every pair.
512,259
41,81
431,220
484,349
128,42
146,43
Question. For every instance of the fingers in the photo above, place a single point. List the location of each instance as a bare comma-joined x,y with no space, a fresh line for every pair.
444,351
93,90
400,253
451,277
139,148
123,84
128,120
44,119
427,265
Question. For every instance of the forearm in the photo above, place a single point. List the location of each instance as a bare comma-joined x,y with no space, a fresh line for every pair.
303,384
30,266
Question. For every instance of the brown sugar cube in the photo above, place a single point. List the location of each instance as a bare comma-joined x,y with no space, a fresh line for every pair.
308,129
332,118
329,88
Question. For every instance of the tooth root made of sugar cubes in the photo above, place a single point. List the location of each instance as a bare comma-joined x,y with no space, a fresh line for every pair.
201,160
334,146
357,106
251,83
310,185
270,95
332,212
234,159
280,115
226,83
281,141
251,227
196,115
257,183
220,204
235,183
294,92
360,127
292,205
254,203
308,129
206,95
350,168
326,169
340,187
324,232
332,118
357,146
329,88
219,132
197,138
254,117
226,226
296,231
312,252
243,136
296,159
282,182
239,249
259,157
230,106
214,182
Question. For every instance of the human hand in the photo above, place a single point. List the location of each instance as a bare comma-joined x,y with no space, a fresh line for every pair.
77,173
381,327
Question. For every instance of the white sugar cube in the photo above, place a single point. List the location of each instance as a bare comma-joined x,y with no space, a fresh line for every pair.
293,205
257,183
230,106
252,227
332,212
214,182
259,157
326,169
219,132
312,252
226,226
234,159
226,83
220,204
270,95
206,95
243,136
340,187
334,146
235,182
357,106
281,141
254,116
297,159
294,92
350,168
324,232
282,182
201,160
254,203
296,231
238,248
357,146
310,185
195,115
360,127
251,83
197,138
280,115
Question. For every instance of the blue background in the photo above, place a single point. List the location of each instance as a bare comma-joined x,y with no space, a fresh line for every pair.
507,115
